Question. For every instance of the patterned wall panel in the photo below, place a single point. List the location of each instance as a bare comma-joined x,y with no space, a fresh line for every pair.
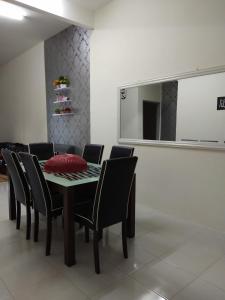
67,53
169,111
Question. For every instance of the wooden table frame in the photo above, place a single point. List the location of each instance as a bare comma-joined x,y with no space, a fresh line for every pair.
69,228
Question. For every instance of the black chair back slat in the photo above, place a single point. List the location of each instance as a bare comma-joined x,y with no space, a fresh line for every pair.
112,194
43,151
39,187
119,151
93,153
20,184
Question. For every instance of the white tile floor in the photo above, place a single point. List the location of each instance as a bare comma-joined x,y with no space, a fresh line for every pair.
168,259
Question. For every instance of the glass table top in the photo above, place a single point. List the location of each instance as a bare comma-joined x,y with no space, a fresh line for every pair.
71,179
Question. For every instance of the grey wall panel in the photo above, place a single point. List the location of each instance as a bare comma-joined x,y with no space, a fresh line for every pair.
68,54
169,111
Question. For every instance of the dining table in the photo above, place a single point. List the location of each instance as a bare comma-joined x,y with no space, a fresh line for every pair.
72,187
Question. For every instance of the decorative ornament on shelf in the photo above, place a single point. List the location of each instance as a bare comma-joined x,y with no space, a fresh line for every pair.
123,94
66,110
62,98
61,82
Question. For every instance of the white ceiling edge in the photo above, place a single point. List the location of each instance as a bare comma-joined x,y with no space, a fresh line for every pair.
42,22
92,5
66,10
18,36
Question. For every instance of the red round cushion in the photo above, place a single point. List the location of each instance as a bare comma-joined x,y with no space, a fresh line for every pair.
65,163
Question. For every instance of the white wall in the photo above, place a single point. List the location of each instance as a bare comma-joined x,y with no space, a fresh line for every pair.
143,39
197,114
23,98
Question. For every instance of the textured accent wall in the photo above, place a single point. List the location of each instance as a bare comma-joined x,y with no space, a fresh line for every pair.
169,111
68,54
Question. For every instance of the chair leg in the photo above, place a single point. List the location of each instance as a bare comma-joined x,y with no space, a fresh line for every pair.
18,214
48,236
96,252
28,222
124,239
62,220
100,234
36,225
86,234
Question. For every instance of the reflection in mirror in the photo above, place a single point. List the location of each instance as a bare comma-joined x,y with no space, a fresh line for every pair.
149,112
183,110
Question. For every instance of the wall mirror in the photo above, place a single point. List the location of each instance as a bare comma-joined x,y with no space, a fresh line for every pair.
185,109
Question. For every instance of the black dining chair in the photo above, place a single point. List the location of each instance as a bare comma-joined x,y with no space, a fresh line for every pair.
20,186
44,202
118,152
43,151
121,151
111,200
93,153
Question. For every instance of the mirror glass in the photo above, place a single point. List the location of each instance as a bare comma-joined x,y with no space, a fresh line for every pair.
181,110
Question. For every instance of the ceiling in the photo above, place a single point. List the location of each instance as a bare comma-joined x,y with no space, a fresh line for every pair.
92,4
18,36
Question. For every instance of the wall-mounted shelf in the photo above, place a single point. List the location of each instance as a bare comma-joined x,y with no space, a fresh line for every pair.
63,101
62,89
63,114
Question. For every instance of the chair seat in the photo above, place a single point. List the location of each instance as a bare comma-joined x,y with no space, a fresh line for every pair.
83,214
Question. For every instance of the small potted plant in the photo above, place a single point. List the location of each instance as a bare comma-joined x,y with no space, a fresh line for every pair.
64,81
57,111
56,83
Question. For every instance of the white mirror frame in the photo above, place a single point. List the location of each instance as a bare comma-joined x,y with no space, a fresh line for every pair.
172,144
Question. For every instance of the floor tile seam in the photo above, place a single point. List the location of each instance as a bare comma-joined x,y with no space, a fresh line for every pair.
213,230
111,285
213,284
188,222
198,277
148,289
8,289
172,249
210,282
179,268
184,287
76,286
199,226
150,263
94,274
188,271
54,276
37,282
111,259
142,265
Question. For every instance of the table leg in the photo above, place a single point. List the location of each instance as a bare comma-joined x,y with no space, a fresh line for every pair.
12,201
69,232
131,210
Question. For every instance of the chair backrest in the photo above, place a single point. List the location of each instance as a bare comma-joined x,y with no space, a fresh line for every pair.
64,148
39,188
93,153
113,190
20,184
119,151
43,151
